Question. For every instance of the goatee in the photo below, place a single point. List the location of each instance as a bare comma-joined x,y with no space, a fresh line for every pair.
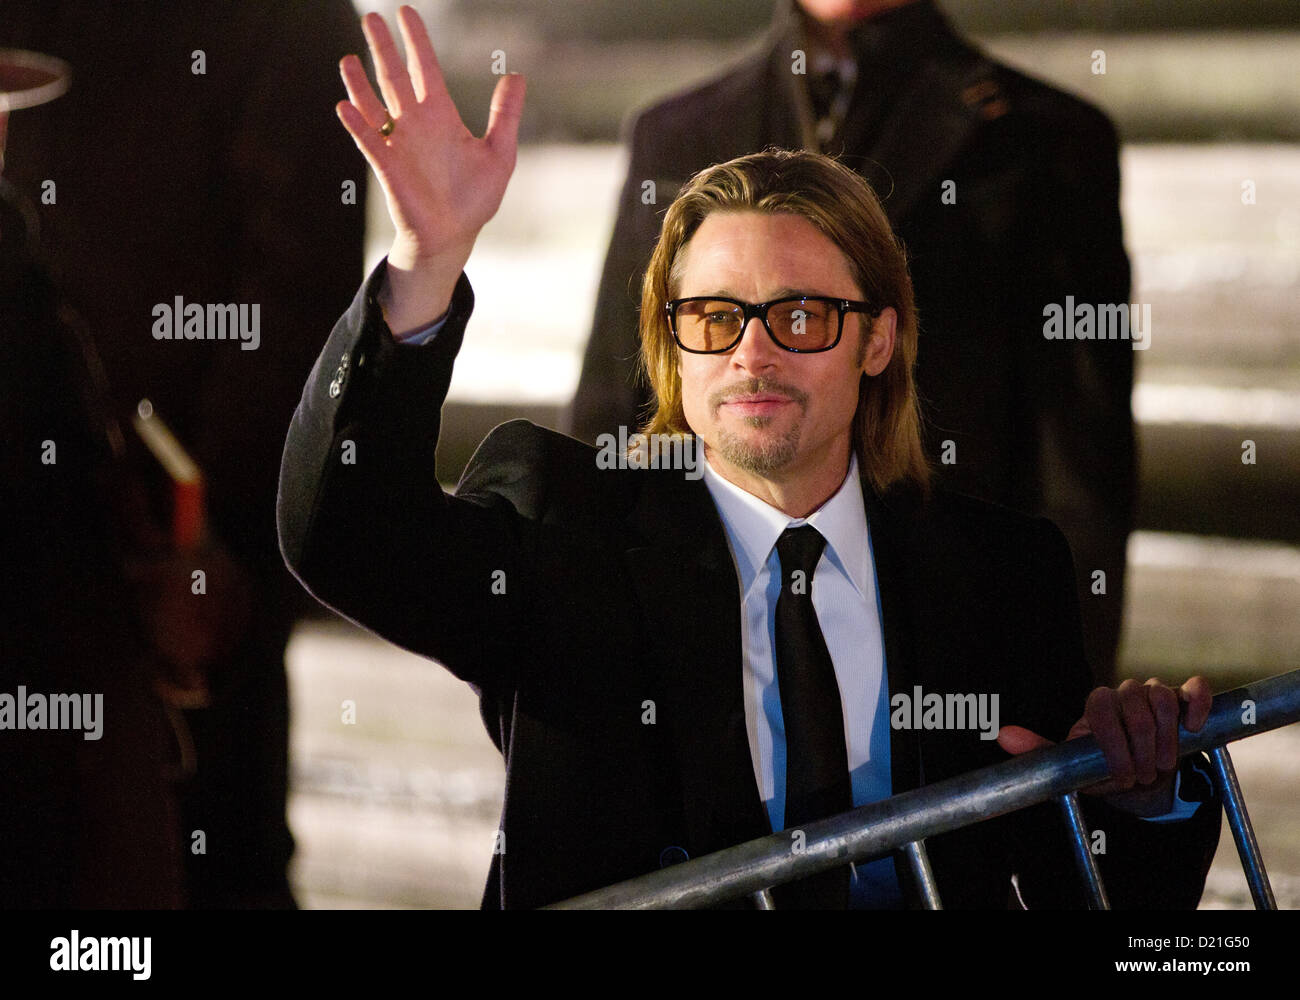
769,454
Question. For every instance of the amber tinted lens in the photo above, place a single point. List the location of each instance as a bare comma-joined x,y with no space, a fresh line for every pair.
708,324
804,324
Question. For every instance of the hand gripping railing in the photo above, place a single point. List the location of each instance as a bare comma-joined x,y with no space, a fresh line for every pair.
906,820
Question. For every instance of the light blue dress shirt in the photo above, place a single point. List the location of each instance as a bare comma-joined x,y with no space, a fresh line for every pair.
847,602
423,336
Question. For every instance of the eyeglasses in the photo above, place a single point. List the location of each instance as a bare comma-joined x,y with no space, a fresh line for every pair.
805,324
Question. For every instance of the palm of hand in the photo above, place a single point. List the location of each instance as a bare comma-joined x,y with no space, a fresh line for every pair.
441,183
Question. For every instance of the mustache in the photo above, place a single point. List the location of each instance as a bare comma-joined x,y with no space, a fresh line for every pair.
755,386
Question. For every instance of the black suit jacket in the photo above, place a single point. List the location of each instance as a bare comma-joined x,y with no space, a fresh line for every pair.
1041,426
619,589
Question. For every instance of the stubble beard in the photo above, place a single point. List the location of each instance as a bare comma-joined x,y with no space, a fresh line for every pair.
768,454
763,457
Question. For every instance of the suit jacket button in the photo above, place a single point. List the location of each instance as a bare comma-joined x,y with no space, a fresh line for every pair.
673,856
340,374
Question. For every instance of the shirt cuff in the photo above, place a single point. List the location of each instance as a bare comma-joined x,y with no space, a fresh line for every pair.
1181,810
425,334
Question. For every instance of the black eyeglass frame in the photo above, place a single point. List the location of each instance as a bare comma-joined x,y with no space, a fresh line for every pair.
751,309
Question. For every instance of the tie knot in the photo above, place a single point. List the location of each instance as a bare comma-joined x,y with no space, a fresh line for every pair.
800,548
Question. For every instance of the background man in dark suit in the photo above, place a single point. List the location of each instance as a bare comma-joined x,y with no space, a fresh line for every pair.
1005,193
647,715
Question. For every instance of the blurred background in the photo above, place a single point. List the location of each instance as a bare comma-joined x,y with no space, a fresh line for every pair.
401,809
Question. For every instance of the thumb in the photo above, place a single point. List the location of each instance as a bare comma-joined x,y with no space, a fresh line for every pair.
507,108
1018,739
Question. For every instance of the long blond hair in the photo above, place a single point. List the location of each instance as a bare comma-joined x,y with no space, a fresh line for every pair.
887,424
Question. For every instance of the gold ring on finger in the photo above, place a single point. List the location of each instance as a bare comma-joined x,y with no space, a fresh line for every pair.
386,129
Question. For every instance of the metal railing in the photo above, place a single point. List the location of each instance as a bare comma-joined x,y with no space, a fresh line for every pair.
905,820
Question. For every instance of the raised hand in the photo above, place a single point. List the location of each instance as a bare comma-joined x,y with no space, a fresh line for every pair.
441,183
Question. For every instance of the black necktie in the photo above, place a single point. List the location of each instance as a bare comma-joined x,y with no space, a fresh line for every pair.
817,765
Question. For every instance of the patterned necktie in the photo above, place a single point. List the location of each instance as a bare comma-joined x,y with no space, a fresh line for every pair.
829,103
817,767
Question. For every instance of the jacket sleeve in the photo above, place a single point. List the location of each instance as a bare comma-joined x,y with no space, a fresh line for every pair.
1144,865
363,522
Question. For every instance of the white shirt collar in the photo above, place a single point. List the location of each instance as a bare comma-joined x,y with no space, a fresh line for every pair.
823,62
753,526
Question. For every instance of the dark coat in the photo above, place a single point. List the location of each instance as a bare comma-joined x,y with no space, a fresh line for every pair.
1043,426
619,589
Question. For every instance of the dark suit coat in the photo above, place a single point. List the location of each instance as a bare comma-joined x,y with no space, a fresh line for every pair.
620,589
1041,426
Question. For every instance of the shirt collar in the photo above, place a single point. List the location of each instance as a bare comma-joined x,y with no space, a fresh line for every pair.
823,62
753,526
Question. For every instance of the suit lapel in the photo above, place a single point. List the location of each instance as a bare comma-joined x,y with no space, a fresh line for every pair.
892,548
889,547
780,120
688,589
926,127
752,125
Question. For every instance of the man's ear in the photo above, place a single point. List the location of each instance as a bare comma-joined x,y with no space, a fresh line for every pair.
879,348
